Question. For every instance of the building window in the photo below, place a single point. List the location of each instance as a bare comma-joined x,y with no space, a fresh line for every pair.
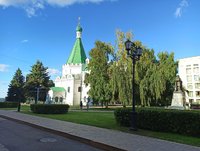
197,85
198,101
191,101
197,93
190,94
68,89
196,70
79,89
188,66
189,78
188,71
196,77
189,86
56,99
195,65
61,99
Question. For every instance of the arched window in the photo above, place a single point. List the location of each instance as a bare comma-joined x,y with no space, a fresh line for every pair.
61,99
56,99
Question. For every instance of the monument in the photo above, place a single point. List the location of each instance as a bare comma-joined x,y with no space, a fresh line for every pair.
178,100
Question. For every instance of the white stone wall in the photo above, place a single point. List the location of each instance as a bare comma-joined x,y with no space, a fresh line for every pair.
71,69
73,78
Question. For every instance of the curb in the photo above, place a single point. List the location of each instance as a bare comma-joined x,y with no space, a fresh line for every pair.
66,135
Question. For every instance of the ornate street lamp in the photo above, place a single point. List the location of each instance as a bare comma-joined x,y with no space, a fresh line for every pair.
134,53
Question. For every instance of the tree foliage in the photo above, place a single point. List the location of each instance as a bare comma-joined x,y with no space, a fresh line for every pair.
154,75
38,78
16,88
156,78
121,72
99,78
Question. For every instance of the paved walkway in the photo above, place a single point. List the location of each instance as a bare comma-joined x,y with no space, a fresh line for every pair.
99,137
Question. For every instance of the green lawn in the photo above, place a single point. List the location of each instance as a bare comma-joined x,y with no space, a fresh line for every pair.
105,119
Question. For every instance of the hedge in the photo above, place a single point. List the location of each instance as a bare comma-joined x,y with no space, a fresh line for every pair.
49,108
8,104
163,120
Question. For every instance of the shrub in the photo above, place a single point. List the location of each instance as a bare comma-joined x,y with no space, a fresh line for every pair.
123,116
164,120
8,104
49,108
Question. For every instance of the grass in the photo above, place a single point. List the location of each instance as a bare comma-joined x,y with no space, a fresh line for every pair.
106,120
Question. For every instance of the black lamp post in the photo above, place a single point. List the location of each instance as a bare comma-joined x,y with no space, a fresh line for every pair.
19,101
134,53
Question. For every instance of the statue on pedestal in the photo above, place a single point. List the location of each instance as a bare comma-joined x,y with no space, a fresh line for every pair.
178,100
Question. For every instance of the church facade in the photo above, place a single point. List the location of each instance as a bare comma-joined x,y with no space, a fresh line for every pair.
69,87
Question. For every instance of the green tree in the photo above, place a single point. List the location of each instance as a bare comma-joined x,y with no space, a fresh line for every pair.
98,78
121,71
156,78
168,69
38,78
16,88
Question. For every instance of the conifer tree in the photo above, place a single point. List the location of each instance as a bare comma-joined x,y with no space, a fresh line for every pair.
38,79
16,88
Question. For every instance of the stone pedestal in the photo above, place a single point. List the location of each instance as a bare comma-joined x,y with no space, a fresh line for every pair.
178,100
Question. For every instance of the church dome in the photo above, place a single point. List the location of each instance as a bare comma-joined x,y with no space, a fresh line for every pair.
79,28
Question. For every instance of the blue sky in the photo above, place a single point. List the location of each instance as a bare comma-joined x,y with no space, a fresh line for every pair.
44,30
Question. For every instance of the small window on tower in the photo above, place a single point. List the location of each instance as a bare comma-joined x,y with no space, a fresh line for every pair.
68,89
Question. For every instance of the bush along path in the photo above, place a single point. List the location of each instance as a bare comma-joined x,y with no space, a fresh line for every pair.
185,122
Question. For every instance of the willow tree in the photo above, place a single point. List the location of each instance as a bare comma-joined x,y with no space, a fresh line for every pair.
98,78
121,71
168,71
156,78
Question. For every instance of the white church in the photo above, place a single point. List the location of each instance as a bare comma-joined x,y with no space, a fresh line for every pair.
70,88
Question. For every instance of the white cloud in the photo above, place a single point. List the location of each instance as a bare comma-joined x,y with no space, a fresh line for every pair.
70,2
4,67
32,6
7,3
24,41
179,10
53,72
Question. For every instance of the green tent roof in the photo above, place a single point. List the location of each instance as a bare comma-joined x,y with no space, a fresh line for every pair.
57,89
78,53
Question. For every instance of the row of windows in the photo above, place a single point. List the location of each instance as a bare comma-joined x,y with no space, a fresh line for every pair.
79,89
190,86
192,100
195,70
195,65
190,93
196,78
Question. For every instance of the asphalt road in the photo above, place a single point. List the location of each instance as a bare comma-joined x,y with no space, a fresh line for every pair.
19,137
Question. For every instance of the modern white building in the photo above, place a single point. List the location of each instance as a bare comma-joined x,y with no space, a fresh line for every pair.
189,72
70,88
